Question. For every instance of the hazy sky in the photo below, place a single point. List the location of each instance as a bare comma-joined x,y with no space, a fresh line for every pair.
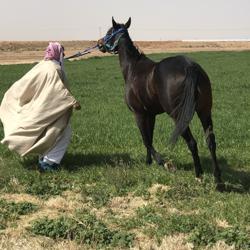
151,19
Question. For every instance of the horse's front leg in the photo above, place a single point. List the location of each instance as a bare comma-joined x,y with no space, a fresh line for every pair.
145,123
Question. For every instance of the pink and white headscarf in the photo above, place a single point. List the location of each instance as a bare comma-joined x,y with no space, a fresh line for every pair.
54,51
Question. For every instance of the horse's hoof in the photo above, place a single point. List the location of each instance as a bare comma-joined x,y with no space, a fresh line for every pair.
199,179
170,166
149,162
220,187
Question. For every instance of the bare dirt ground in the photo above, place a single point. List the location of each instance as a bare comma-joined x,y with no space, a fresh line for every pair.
15,52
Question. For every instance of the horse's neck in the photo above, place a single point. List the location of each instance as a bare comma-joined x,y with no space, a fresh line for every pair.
128,55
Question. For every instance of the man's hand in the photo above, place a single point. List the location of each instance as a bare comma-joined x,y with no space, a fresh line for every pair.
77,106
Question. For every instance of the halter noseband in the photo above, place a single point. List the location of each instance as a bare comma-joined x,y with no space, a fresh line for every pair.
111,48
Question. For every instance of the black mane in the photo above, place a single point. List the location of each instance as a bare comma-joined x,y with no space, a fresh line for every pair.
131,49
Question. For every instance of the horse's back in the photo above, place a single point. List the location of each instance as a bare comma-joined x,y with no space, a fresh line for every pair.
172,66
176,68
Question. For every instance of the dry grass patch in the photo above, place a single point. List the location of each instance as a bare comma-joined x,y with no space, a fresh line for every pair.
120,207
21,198
52,208
9,241
220,245
173,242
222,223
25,221
23,242
101,213
158,188
15,185
126,206
68,202
16,238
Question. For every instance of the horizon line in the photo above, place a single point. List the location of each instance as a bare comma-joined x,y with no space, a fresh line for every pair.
160,40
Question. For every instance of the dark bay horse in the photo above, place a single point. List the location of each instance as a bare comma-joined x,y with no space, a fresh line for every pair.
176,85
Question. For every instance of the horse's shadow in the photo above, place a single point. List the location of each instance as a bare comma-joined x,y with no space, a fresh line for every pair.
74,162
235,180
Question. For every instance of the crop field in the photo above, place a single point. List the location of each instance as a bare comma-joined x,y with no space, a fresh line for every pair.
106,197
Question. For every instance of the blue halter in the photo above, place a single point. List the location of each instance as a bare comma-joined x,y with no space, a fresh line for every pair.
108,37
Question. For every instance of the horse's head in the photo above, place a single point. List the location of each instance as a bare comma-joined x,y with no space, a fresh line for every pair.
109,43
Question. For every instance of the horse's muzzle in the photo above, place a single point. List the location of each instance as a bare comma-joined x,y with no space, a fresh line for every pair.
101,47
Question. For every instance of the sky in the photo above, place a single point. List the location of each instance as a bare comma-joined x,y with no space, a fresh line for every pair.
152,20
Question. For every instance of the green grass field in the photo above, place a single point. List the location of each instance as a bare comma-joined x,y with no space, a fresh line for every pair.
106,197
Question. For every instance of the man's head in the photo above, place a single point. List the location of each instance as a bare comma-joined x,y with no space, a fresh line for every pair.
54,51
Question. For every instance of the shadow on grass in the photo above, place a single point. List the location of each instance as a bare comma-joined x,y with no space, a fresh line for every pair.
235,180
74,162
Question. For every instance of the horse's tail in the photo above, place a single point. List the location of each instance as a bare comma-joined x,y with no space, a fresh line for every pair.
185,104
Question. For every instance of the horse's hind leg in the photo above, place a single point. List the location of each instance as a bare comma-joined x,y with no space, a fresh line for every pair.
145,123
210,138
192,145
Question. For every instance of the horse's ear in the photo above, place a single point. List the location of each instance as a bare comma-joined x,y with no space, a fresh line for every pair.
114,23
127,24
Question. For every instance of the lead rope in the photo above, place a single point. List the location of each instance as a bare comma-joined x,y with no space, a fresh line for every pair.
81,53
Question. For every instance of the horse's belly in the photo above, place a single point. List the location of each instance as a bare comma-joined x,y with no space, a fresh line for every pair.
143,104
